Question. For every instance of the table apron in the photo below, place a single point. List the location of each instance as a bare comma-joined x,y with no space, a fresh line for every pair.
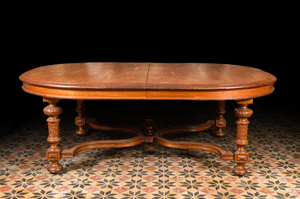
230,94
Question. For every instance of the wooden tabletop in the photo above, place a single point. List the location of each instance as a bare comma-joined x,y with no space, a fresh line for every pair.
146,80
205,76
89,75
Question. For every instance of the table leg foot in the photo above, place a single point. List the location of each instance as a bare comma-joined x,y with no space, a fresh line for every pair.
220,120
54,152
80,120
241,156
55,167
239,169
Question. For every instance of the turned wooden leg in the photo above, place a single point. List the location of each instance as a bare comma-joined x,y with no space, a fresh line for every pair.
220,120
241,156
80,119
54,152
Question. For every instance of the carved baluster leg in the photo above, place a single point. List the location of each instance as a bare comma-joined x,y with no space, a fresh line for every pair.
241,156
54,152
220,120
80,119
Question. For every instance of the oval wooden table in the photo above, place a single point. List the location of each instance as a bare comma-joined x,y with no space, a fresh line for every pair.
148,81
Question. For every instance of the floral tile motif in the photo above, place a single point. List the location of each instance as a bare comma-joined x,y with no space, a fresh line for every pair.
152,171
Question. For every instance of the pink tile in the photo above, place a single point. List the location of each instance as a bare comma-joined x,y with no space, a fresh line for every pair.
120,189
177,178
266,191
123,178
149,190
176,168
178,190
5,188
91,189
95,178
34,188
125,168
150,178
237,191
207,190
100,167
15,177
150,168
63,189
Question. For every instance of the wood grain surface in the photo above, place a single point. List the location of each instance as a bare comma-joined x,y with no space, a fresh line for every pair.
183,81
105,75
205,76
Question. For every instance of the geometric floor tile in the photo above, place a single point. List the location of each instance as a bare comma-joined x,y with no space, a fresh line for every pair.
149,170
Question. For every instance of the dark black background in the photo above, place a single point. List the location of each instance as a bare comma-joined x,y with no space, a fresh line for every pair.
31,44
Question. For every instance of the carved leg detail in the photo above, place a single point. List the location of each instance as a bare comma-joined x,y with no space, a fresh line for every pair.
80,119
220,120
241,156
54,152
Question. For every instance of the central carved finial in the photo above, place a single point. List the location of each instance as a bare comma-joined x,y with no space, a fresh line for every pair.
149,126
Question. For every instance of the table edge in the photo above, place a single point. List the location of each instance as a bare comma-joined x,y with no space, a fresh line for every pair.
148,94
270,81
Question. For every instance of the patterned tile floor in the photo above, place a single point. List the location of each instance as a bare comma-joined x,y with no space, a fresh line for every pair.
149,170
